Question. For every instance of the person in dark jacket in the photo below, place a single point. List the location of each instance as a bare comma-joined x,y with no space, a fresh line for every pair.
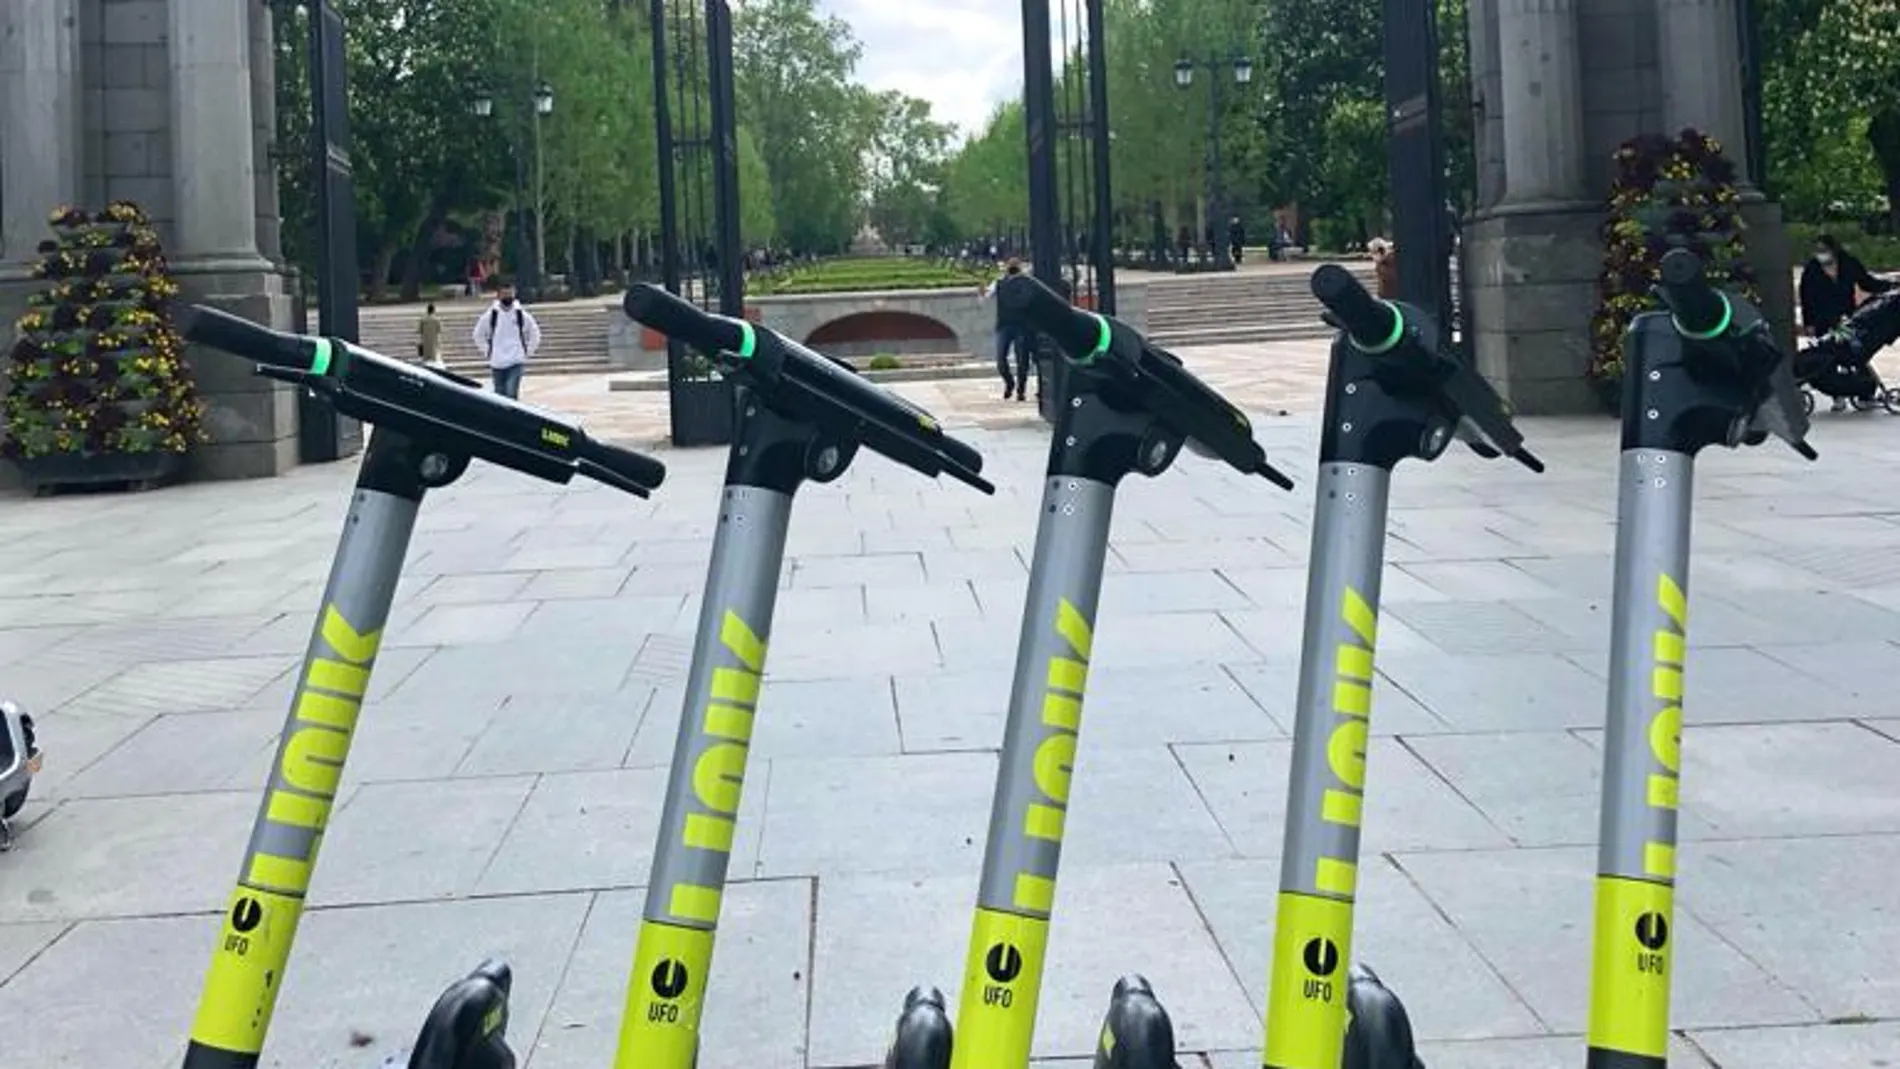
1013,340
1828,282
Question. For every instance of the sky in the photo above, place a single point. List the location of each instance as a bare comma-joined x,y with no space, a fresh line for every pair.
964,56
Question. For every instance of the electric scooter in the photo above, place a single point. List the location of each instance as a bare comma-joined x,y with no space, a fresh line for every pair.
1130,408
427,426
802,417
1707,372
1392,395
20,760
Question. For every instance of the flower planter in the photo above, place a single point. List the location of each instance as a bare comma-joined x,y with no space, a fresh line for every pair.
61,471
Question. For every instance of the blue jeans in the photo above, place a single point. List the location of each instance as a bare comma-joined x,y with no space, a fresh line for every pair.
508,380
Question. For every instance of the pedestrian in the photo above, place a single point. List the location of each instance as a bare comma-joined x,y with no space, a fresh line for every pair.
1011,339
1236,239
429,337
1385,267
1828,282
508,334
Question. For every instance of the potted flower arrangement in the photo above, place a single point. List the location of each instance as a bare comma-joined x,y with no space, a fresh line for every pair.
1669,192
99,389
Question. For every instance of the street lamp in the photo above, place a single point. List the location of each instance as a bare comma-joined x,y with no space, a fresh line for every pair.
527,259
1242,68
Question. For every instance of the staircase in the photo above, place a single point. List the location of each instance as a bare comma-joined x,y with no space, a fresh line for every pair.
1242,307
573,334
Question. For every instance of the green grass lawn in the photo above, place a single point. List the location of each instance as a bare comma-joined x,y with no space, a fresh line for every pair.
858,274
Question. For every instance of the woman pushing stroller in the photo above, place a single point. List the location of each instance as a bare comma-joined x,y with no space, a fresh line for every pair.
1838,364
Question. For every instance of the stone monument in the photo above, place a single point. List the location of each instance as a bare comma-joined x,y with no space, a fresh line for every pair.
1557,86
172,104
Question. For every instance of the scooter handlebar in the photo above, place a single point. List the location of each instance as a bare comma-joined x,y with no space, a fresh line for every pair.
436,407
1156,379
678,318
1373,323
1701,311
1076,331
809,385
255,342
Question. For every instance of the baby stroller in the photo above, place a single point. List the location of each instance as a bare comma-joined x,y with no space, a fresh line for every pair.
19,760
1840,364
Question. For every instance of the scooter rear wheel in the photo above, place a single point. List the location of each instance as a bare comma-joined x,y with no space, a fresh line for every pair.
13,803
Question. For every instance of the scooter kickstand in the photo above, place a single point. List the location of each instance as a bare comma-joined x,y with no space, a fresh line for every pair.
1380,1036
1136,1032
923,1036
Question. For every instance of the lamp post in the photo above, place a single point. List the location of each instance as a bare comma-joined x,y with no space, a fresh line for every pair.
1242,69
527,255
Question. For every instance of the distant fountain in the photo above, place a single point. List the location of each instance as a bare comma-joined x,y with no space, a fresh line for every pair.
869,242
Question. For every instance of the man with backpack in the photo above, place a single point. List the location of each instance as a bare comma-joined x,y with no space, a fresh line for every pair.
508,335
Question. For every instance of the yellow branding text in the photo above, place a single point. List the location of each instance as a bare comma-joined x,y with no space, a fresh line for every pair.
1665,726
719,771
1055,756
1343,802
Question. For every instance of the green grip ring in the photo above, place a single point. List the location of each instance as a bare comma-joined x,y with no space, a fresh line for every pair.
748,340
1721,325
320,357
1391,341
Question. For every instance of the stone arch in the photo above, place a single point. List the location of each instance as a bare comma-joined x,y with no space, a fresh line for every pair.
883,331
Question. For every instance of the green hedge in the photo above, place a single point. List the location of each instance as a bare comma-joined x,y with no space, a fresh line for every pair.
857,275
1879,252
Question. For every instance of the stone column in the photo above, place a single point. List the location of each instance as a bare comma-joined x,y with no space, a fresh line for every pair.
1542,101
214,176
252,422
41,110
1699,54
264,139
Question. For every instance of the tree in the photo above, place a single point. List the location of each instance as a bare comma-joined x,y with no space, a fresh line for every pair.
812,125
909,153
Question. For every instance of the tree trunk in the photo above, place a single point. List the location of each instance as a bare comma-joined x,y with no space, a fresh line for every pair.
419,249
1884,136
379,271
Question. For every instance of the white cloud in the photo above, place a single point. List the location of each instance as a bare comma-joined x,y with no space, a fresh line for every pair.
964,56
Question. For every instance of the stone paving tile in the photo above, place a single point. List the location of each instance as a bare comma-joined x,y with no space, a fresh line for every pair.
1540,944
878,936
1545,1052
182,753
1276,686
21,943
756,1002
1407,808
1816,913
1449,991
583,830
1839,1046
1498,691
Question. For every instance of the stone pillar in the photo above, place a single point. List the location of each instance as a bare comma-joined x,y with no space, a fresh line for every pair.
1700,68
270,242
1542,101
41,112
215,178
1487,100
215,253
1700,71
1533,255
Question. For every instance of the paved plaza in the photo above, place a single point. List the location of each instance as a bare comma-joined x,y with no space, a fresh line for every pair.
504,789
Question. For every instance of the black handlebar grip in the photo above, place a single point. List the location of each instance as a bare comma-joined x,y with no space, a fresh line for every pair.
961,453
241,337
1701,311
1369,320
635,467
678,318
1077,332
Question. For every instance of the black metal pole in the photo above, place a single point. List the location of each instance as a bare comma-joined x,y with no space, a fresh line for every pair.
1102,147
1420,226
524,252
1748,26
663,137
725,153
1045,237
1215,220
